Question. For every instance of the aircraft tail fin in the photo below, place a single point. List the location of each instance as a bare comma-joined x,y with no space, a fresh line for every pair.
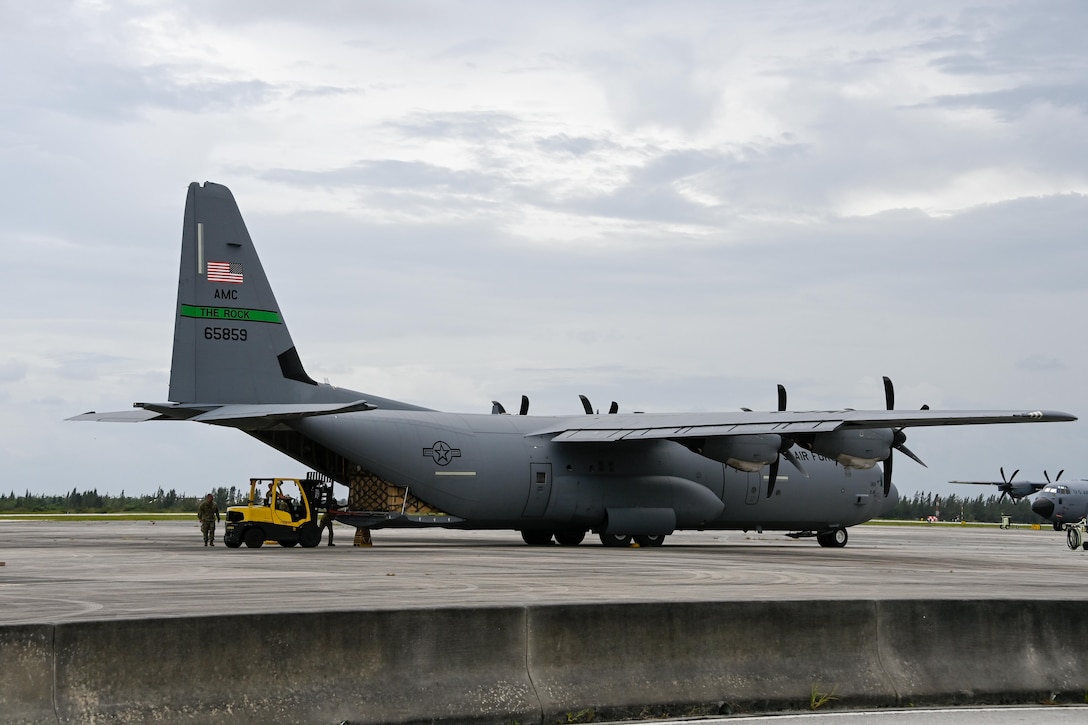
231,344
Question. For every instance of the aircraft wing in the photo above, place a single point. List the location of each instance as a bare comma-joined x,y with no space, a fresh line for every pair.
1016,491
1035,486
642,426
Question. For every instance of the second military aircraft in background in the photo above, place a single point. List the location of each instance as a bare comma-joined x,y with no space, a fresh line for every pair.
1057,502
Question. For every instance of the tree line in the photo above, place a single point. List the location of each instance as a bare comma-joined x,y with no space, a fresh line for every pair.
955,508
921,506
92,502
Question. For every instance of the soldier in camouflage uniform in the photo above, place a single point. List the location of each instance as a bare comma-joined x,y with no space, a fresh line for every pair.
326,521
208,513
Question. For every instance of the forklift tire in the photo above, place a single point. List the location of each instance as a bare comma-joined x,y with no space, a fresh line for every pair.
287,544
253,538
309,535
232,543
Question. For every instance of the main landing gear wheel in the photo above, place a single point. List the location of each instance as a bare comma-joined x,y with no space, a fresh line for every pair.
570,538
836,538
648,540
1058,526
254,538
615,539
536,538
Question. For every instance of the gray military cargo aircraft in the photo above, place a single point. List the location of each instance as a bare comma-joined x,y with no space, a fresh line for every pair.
1062,503
625,476
1057,502
1015,490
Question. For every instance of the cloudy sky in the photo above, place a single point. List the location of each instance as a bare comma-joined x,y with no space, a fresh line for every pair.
674,205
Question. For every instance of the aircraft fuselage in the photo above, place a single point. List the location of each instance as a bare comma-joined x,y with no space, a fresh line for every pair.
492,471
1062,503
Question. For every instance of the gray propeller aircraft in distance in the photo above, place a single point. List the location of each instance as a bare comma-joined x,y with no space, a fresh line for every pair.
624,476
1057,502
1015,490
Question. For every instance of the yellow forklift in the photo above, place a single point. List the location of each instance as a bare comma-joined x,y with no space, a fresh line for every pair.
284,511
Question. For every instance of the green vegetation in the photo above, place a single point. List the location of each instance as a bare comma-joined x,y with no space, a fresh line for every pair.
818,699
91,502
985,509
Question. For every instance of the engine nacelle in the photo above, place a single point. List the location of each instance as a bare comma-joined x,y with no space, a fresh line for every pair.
749,453
1019,490
854,448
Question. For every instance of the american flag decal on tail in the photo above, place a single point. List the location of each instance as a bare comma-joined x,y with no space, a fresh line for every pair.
229,272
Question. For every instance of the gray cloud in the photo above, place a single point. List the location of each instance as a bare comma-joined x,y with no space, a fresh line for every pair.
12,371
1040,362
1013,103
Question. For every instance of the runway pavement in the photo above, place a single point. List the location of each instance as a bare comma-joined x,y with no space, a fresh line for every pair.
924,716
70,571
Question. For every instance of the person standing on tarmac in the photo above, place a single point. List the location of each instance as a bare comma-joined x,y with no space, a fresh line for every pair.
326,521
208,513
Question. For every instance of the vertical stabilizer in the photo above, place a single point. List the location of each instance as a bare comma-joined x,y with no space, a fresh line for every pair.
231,344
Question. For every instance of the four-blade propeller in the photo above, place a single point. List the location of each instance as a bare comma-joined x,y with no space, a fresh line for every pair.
498,409
898,440
1006,484
786,450
588,408
1047,475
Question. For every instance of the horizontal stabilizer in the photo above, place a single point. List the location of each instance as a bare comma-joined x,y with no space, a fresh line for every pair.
242,416
250,416
119,416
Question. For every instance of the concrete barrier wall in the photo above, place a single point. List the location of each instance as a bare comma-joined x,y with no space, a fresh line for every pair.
387,667
704,658
994,651
551,664
26,674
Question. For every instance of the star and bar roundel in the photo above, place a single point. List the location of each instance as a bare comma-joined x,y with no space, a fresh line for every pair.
441,453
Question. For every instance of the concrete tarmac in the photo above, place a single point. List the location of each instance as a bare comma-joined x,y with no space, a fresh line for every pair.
58,572
925,716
